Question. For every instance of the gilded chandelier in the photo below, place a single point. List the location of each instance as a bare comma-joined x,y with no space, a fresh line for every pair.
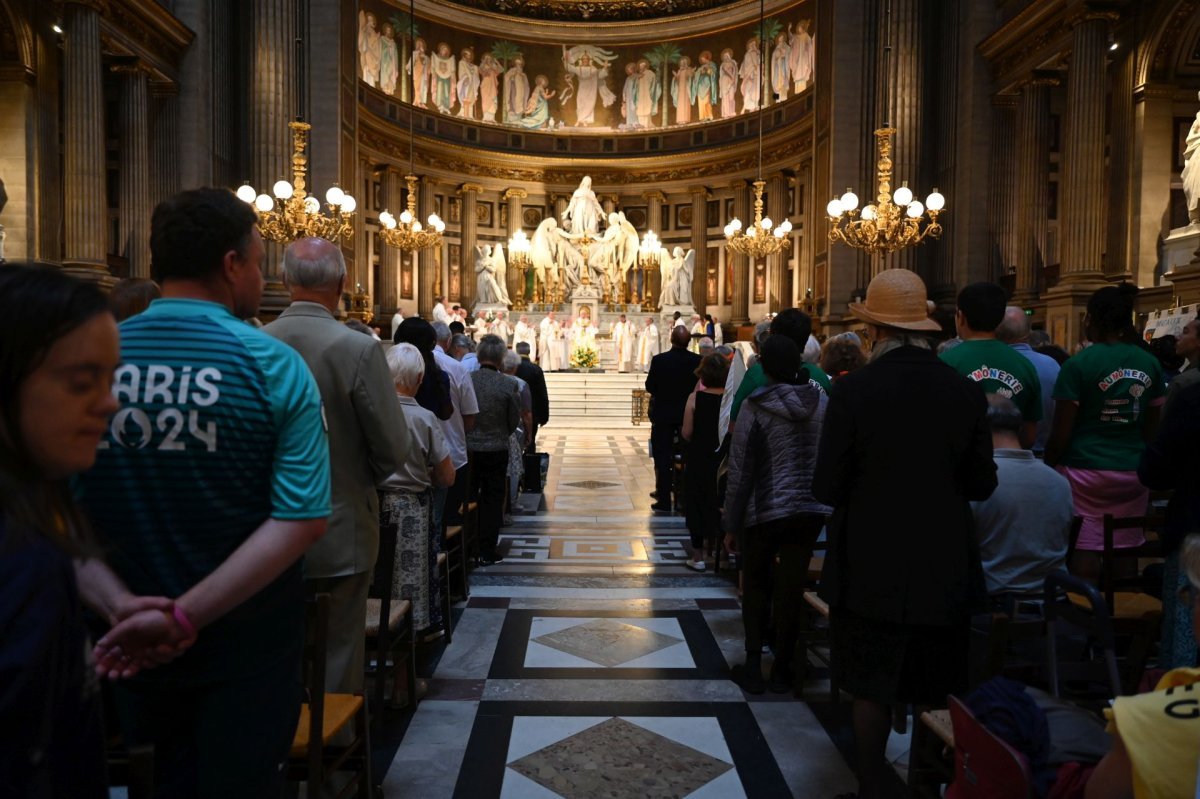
294,213
894,221
406,232
763,237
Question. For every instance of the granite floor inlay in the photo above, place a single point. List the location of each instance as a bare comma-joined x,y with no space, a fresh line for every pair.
617,759
608,642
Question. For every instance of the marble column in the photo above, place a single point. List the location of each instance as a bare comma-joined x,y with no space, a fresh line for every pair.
1082,176
391,196
1118,262
134,191
777,210
513,197
164,142
429,263
1033,185
272,107
85,211
654,203
469,234
1002,202
739,313
805,227
700,247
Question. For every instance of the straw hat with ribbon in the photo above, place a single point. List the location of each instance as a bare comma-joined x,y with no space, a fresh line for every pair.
896,298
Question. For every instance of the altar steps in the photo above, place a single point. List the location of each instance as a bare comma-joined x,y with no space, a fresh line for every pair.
592,400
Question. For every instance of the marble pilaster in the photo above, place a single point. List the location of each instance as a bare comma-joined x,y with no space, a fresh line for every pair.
429,263
513,276
777,265
469,192
1033,177
164,143
391,195
134,190
1117,252
700,246
1002,204
739,313
85,211
654,204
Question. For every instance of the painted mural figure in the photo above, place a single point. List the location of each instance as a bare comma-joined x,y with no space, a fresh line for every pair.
704,87
629,96
647,93
489,86
418,66
781,71
537,108
445,93
681,91
468,84
516,92
751,74
370,49
802,56
589,66
389,66
728,85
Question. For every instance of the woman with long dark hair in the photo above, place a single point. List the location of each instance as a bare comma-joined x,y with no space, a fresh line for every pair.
434,393
58,350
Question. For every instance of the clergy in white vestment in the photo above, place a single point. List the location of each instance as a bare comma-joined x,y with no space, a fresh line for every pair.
566,340
500,327
647,345
718,333
440,314
479,328
698,330
622,337
549,346
397,318
525,332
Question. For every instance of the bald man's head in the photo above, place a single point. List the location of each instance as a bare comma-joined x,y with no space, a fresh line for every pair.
1014,328
680,337
314,264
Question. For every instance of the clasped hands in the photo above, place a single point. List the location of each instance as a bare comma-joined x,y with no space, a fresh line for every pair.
144,634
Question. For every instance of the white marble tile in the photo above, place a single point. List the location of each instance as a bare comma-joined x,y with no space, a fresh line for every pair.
469,655
431,754
811,764
612,690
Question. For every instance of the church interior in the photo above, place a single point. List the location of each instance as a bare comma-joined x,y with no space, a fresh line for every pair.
604,160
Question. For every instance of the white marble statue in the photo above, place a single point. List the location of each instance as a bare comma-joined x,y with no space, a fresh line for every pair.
1191,171
684,274
543,255
500,272
668,264
648,345
583,213
487,291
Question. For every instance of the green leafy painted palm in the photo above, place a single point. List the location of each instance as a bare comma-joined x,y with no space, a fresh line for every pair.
771,28
504,51
407,30
663,57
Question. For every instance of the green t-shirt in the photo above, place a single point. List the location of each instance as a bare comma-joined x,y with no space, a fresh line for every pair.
1112,384
756,378
999,369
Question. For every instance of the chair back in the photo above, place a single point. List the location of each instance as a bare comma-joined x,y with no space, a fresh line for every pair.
1088,613
985,766
1110,582
316,645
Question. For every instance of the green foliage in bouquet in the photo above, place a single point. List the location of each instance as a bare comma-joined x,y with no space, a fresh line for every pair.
585,358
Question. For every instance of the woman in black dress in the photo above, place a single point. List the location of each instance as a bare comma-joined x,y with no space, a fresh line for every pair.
702,456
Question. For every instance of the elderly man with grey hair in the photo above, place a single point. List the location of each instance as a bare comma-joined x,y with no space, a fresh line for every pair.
447,502
1015,331
499,415
368,440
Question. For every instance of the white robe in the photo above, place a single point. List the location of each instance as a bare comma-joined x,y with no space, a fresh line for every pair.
694,344
622,336
550,349
500,328
527,333
647,347
440,314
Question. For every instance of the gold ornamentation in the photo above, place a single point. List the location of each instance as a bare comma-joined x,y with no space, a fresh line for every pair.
763,237
406,231
591,10
294,213
895,221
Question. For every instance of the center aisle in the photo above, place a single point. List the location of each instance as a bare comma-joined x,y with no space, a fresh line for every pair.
591,663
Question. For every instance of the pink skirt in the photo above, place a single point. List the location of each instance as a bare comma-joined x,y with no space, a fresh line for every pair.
1097,492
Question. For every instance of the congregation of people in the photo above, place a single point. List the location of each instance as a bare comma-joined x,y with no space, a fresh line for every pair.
179,483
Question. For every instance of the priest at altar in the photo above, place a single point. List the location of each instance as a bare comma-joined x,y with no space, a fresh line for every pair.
550,344
622,333
525,332
647,345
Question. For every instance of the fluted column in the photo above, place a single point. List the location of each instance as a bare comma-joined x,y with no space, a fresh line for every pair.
469,192
1118,263
391,196
700,247
429,263
272,108
1002,204
85,209
1083,157
777,264
134,221
164,142
512,275
653,280
908,94
739,313
1033,176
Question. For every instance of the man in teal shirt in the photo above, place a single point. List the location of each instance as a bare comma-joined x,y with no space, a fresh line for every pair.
983,358
796,325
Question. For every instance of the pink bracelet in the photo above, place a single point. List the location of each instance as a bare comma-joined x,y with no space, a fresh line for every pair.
183,621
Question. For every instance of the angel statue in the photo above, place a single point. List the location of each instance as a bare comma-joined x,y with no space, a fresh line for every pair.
500,272
616,254
543,256
487,290
684,274
666,271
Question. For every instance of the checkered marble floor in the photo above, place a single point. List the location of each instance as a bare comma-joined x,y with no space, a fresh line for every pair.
590,663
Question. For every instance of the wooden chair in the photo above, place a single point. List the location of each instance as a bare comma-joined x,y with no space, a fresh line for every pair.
396,637
470,527
985,766
455,547
1134,612
931,762
323,744
443,565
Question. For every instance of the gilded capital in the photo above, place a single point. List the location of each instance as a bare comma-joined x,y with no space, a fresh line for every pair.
515,194
655,194
470,187
1043,77
698,191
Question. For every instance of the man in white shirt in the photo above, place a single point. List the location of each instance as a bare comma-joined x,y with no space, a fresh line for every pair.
647,345
440,314
462,396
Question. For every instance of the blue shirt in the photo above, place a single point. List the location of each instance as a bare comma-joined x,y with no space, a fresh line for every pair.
1047,371
220,429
